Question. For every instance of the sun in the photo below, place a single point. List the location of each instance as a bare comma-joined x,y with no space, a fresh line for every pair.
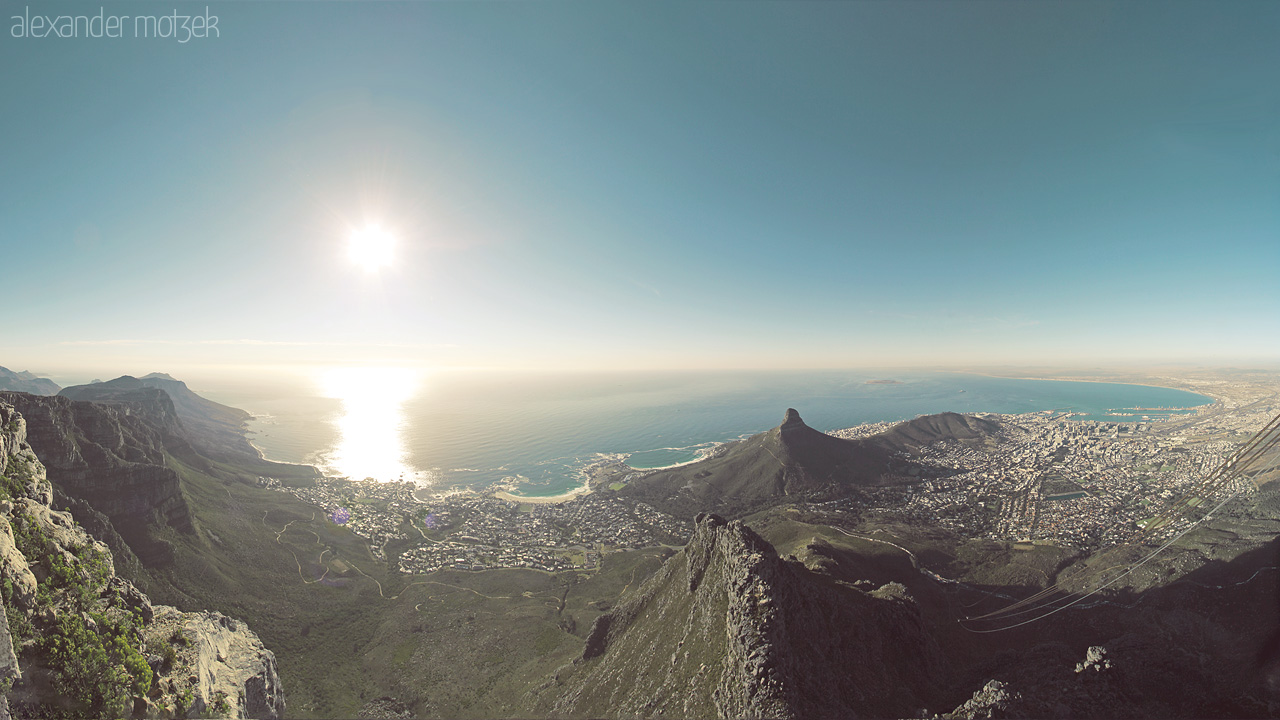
371,247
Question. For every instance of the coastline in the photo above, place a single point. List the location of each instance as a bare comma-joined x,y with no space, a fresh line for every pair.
247,431
710,447
1215,389
263,456
1142,382
546,499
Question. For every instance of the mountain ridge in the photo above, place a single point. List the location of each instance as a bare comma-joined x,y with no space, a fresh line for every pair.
113,458
913,434
790,460
215,429
26,381
727,628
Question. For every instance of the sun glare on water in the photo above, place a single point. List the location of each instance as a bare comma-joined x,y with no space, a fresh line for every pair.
371,247
371,426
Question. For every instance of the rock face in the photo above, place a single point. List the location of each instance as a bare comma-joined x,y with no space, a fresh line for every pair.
9,669
215,430
51,570
1095,660
992,701
787,462
726,628
791,419
26,382
15,455
234,672
113,458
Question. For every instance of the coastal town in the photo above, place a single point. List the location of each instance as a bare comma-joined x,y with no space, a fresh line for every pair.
470,531
1043,476
1048,476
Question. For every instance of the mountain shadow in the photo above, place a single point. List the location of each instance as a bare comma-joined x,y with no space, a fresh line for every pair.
1206,644
726,628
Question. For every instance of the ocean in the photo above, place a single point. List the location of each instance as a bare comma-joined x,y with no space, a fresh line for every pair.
533,434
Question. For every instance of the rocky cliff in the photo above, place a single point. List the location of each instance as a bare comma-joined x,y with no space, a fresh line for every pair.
112,457
233,671
215,430
728,629
80,642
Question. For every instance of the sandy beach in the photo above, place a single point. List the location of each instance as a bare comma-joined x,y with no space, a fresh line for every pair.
546,500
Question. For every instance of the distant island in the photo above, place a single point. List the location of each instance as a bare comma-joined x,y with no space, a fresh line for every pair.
884,382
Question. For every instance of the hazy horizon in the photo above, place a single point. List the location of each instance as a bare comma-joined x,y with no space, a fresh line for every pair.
644,186
221,380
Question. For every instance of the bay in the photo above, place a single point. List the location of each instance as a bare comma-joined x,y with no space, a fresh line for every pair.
533,433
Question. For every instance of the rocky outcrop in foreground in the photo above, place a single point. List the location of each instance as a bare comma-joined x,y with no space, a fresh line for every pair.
79,641
233,670
726,628
1047,688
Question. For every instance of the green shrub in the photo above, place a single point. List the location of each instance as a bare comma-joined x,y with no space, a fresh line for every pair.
20,471
11,488
185,702
20,627
93,656
95,563
98,669
221,707
170,656
30,538
19,468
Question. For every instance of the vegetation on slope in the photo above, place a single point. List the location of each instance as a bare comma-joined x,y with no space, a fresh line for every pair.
83,641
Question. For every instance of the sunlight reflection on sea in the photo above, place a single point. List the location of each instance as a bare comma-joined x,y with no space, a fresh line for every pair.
371,424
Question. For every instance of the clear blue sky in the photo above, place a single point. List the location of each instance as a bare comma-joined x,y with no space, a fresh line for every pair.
646,184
